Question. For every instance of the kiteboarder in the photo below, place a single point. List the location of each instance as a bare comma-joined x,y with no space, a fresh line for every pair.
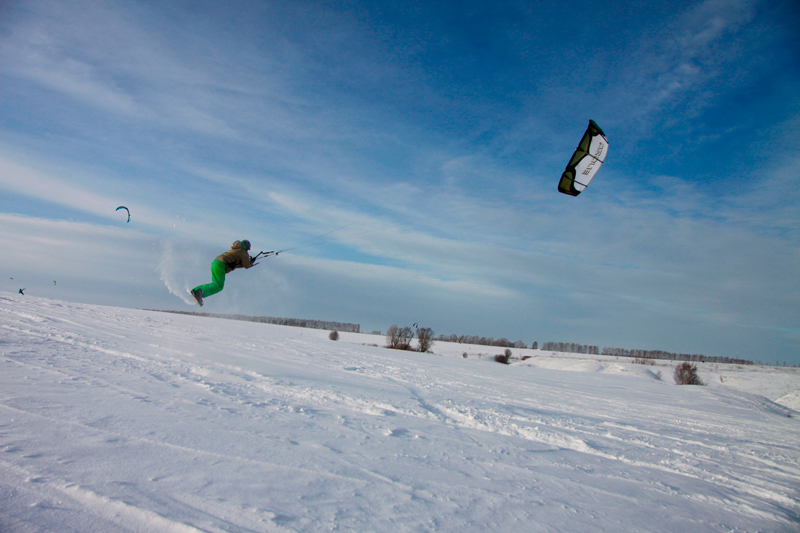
22,293
236,257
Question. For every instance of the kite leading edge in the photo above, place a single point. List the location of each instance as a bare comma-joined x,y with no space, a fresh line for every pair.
126,209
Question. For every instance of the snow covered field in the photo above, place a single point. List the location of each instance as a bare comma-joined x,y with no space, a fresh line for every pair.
125,420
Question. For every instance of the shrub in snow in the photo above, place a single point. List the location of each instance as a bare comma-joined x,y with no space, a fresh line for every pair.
406,336
425,337
393,336
399,338
686,374
502,358
334,336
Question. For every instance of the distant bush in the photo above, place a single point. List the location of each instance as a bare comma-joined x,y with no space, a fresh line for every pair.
406,336
393,336
686,374
334,336
644,361
399,338
502,358
658,375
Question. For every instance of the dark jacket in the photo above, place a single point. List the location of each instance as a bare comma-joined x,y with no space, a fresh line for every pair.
236,257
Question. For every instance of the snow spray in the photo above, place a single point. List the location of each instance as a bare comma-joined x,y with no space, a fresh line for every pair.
175,273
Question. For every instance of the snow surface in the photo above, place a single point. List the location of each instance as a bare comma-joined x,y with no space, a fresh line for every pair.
127,420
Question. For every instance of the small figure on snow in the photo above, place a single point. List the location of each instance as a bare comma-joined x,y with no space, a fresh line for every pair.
22,293
236,257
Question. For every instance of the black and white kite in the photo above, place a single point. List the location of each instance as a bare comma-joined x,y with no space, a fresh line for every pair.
585,162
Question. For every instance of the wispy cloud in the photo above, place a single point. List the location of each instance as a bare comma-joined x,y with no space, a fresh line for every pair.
30,182
676,70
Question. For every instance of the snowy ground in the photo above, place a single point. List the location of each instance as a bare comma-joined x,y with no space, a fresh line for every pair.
781,385
125,420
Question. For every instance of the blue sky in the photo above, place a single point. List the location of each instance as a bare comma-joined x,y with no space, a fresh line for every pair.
426,140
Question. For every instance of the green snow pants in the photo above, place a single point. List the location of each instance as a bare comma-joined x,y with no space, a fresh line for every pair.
218,269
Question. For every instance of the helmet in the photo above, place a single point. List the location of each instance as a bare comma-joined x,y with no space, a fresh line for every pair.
246,244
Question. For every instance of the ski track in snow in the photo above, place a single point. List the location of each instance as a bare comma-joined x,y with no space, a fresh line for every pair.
125,420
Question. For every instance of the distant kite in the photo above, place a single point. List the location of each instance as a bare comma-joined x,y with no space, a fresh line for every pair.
416,325
54,282
126,209
585,162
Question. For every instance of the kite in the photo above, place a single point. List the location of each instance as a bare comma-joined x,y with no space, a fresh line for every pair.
585,162
126,209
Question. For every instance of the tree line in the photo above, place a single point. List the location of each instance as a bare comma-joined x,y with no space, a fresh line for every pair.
660,354
571,347
296,322
483,341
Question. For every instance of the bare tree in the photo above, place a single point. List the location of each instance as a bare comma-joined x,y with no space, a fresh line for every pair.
393,336
406,335
425,337
399,338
